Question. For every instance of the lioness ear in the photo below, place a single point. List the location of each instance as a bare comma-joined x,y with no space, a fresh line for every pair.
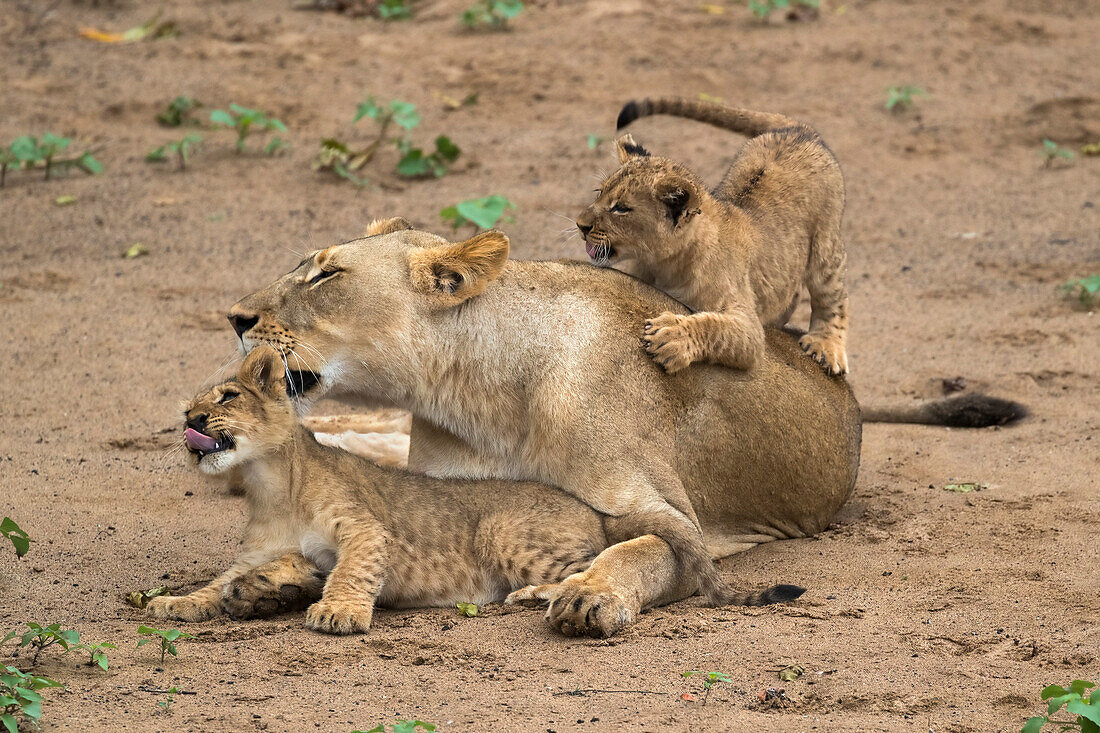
263,369
460,270
678,196
626,148
387,226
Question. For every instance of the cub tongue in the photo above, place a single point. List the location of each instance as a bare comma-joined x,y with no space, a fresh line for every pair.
590,249
198,441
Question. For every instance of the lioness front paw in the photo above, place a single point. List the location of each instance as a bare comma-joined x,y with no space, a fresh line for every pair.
182,608
828,351
668,341
339,617
579,606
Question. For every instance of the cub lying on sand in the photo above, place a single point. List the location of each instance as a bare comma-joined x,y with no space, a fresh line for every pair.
380,535
737,255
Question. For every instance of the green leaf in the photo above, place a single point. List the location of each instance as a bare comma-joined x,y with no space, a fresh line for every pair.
485,212
368,108
25,148
508,9
221,117
9,722
1057,702
445,147
1033,725
19,539
1052,691
466,609
1079,687
157,155
413,164
1086,711
90,164
137,249
404,114
65,200
143,642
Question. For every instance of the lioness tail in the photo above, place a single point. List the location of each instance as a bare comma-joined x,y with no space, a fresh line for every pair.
967,411
743,121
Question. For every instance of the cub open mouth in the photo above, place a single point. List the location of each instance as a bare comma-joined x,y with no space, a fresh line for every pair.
599,252
298,382
203,445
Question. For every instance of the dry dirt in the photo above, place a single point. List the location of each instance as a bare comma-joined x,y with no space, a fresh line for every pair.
926,609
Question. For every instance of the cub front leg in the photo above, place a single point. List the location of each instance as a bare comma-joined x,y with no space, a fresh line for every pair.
204,603
347,604
733,338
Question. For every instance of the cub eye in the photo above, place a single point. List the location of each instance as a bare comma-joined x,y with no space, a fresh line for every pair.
322,275
620,209
228,397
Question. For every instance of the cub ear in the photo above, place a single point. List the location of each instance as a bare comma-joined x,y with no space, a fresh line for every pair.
387,226
263,369
626,148
460,270
680,200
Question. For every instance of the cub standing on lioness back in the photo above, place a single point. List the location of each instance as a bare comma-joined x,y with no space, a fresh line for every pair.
381,535
737,255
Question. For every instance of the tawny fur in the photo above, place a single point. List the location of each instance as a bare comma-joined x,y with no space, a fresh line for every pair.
382,536
542,377
737,255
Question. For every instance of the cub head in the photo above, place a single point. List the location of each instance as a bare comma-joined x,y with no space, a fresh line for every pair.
243,418
642,211
350,317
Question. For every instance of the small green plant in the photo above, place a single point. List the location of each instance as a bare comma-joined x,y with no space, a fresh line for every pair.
96,654
19,698
595,141
29,152
491,13
900,98
15,534
400,726
484,212
166,703
710,679
1051,151
344,161
1085,289
1077,700
178,112
181,149
394,10
166,638
246,121
763,8
468,610
42,637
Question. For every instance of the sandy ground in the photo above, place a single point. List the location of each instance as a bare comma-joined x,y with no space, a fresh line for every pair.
926,610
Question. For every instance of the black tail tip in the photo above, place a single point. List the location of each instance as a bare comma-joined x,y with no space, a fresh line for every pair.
783,593
630,112
979,411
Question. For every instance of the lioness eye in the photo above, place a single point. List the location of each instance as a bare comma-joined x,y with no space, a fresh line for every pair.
620,209
227,397
322,275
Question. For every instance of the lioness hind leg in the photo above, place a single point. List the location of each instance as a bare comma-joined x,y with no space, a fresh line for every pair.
826,341
288,584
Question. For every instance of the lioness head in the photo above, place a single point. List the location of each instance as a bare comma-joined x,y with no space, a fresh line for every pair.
641,210
350,314
242,418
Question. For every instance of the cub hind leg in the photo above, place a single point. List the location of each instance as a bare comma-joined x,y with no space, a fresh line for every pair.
827,340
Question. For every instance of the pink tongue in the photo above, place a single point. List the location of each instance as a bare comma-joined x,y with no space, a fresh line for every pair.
590,249
198,441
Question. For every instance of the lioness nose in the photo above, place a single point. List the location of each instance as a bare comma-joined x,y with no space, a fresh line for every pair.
241,322
584,229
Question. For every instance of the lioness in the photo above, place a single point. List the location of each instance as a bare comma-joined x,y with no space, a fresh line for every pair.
530,371
381,535
737,255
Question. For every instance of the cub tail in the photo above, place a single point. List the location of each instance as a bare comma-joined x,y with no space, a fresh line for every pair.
967,411
743,121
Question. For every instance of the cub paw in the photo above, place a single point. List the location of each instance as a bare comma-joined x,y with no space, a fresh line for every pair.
579,606
828,351
339,617
668,341
181,608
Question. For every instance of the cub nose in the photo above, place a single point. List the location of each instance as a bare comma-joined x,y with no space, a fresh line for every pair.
241,322
198,422
584,229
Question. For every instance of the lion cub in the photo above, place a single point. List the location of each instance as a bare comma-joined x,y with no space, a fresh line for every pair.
381,535
737,255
